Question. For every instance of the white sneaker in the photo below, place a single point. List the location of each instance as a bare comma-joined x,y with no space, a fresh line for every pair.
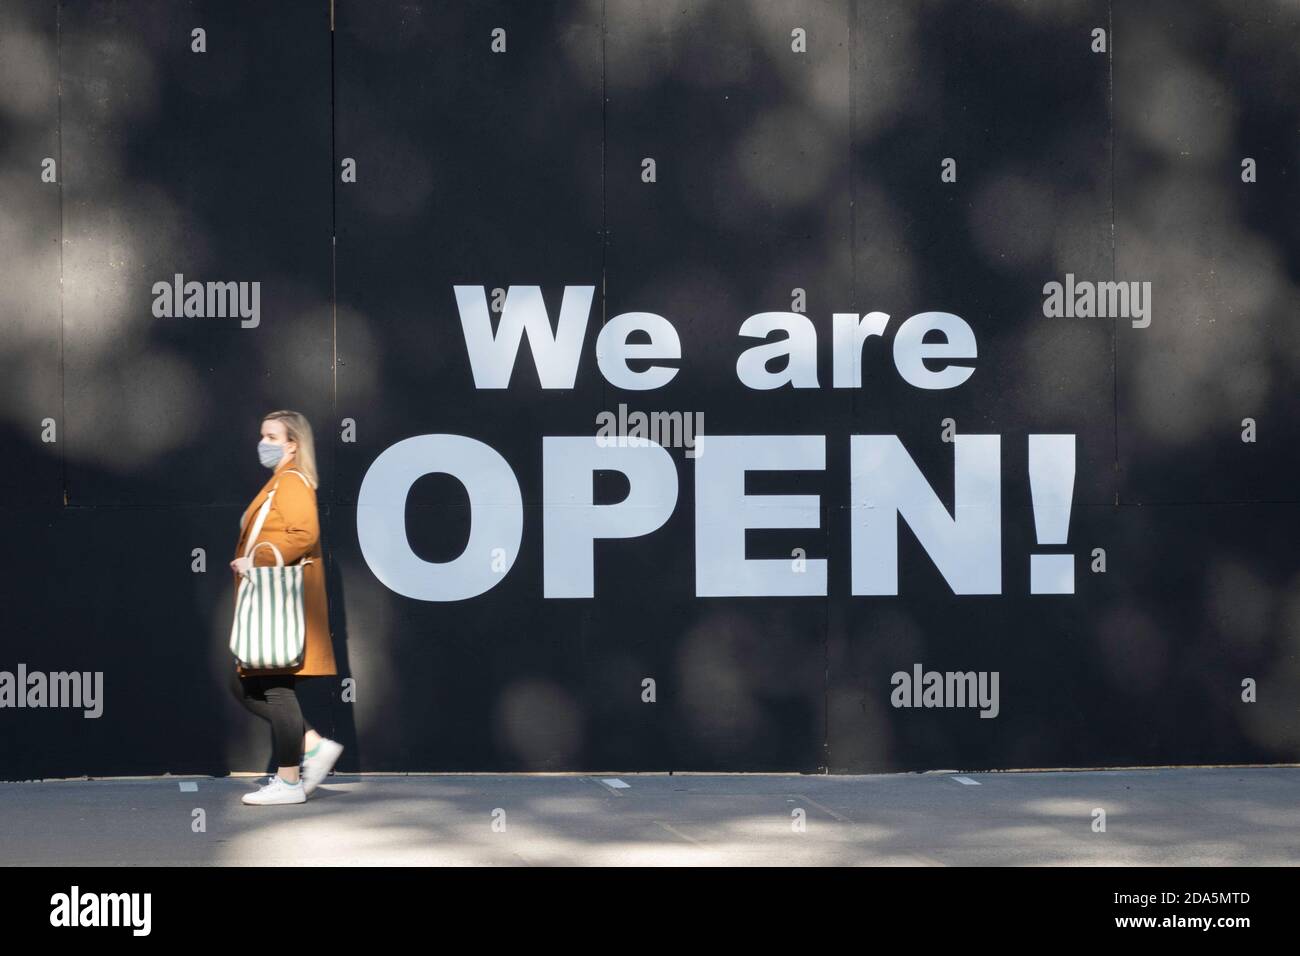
277,791
317,767
271,776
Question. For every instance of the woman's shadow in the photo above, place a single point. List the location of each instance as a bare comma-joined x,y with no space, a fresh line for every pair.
331,696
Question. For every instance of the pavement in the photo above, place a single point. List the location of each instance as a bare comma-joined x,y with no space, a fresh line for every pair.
1161,817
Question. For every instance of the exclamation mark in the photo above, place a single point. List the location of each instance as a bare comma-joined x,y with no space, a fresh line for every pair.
1051,485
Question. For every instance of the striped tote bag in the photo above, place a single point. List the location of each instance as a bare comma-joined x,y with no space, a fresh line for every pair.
269,629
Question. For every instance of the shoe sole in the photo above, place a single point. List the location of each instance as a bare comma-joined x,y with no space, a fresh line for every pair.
272,803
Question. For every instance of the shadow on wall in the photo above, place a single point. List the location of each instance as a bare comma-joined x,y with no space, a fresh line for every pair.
1128,171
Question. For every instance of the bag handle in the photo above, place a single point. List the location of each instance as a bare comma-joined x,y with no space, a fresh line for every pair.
261,517
279,558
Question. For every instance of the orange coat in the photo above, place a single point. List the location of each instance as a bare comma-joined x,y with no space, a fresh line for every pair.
293,526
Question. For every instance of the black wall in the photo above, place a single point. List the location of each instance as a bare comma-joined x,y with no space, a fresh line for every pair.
776,170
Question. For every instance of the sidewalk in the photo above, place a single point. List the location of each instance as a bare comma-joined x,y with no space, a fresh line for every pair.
1208,816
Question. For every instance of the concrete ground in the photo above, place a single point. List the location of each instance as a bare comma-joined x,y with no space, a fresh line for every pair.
1184,816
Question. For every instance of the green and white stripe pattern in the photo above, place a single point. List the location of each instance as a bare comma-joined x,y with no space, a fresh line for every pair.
269,630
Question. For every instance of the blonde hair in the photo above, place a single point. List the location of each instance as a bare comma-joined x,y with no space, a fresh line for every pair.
298,429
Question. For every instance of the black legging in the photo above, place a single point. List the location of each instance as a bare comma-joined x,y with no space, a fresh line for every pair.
272,697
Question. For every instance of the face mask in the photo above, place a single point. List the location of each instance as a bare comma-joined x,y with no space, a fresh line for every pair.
270,453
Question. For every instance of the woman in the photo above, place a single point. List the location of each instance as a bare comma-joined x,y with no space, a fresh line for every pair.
292,525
